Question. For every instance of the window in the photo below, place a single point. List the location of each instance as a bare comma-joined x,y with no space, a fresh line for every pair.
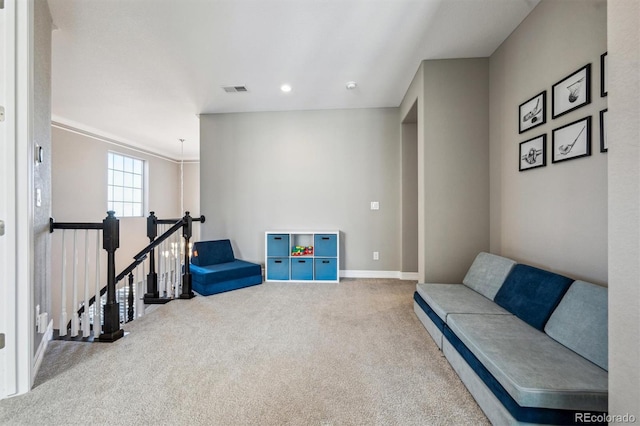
125,178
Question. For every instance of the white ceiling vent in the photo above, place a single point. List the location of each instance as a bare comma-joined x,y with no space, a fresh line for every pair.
234,89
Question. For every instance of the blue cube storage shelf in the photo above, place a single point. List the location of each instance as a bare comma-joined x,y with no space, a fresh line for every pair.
320,265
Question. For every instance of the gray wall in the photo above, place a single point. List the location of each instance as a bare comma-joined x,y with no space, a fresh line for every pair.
305,170
456,159
554,217
453,176
80,195
409,256
192,193
624,206
42,172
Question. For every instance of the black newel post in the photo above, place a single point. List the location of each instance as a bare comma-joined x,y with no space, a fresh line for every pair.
152,276
130,298
187,293
152,296
111,330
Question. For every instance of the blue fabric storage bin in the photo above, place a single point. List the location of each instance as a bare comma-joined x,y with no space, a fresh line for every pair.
326,269
325,245
278,245
301,269
278,268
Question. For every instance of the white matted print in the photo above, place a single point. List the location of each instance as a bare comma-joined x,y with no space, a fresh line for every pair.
533,153
572,141
572,92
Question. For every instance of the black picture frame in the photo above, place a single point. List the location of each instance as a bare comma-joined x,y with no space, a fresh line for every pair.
604,146
571,141
572,92
603,75
532,112
533,153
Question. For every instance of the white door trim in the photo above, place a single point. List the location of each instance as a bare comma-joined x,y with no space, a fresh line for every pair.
24,194
16,198
8,382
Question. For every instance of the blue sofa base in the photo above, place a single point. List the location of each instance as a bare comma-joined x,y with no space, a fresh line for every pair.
221,277
220,287
517,412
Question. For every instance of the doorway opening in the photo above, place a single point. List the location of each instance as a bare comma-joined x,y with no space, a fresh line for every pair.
409,244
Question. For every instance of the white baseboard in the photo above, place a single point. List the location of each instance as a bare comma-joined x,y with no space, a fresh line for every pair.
350,273
46,338
409,276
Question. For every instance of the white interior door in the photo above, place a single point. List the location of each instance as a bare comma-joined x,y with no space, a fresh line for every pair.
8,383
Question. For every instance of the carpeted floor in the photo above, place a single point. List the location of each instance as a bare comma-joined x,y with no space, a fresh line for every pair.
352,353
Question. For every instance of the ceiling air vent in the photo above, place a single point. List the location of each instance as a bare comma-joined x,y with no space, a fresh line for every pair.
234,89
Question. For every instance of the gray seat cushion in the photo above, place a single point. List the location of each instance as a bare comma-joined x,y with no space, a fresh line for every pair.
533,368
446,299
580,322
487,273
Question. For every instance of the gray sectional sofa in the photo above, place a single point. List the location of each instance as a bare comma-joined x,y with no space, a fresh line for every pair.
530,345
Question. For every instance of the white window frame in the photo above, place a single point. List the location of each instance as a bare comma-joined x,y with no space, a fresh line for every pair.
130,180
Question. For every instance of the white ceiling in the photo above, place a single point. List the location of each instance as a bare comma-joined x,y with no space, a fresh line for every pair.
140,71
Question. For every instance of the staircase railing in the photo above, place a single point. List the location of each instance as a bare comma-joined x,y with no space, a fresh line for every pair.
89,311
110,228
153,295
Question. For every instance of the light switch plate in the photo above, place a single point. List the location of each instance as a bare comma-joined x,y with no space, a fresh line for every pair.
375,205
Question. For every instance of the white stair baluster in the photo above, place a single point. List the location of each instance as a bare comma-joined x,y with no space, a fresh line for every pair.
160,267
63,287
176,254
86,327
74,305
97,305
143,289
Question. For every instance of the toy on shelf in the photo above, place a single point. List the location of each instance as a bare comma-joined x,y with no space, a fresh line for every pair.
302,251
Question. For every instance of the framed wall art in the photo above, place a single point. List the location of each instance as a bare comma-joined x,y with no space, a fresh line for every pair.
533,153
604,146
571,92
571,141
603,75
533,112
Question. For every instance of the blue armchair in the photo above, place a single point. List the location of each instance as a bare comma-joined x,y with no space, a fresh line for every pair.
214,268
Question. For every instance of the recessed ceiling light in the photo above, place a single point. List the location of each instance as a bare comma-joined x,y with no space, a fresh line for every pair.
351,85
285,88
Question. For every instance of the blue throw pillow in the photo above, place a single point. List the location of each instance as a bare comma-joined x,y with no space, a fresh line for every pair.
212,252
532,294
